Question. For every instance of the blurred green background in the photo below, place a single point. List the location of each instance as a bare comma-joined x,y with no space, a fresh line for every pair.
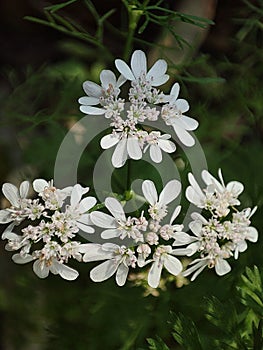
44,60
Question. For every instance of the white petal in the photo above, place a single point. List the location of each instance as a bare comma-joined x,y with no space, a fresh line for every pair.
109,140
23,189
149,192
182,105
124,69
197,192
133,148
85,228
40,269
115,208
195,227
85,219
107,77
187,123
222,267
7,230
170,192
5,216
193,197
198,266
160,80
211,180
65,272
111,233
76,195
39,185
119,156
175,213
121,80
92,110
183,135
172,265
92,89
88,101
86,204
11,193
252,234
175,91
122,274
18,259
193,248
94,252
103,271
198,217
156,153
102,220
155,274
158,69
167,146
138,63
235,187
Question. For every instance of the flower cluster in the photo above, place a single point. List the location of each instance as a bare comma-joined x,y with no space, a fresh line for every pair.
52,241
146,103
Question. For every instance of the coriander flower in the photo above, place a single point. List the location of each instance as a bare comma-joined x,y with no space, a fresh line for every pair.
158,143
158,206
172,114
118,259
107,92
155,76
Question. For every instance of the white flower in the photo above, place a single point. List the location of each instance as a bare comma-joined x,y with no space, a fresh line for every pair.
52,196
17,199
78,208
158,206
117,225
158,143
119,258
163,257
126,145
172,113
156,75
96,93
216,196
42,267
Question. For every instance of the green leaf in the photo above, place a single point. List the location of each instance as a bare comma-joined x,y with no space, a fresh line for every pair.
157,344
56,7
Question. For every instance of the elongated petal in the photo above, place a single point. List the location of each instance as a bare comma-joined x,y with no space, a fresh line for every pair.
133,148
211,180
88,101
187,123
85,219
175,91
157,81
92,89
121,275
167,146
124,69
183,135
86,204
39,185
194,193
222,267
198,217
18,259
92,110
138,63
109,140
76,195
175,213
102,220
11,193
182,105
94,252
172,265
40,269
156,153
170,192
155,274
107,77
111,233
119,156
195,227
65,272
121,80
23,189
5,216
149,192
7,230
198,267
235,187
85,228
193,248
252,234
158,69
103,271
115,208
